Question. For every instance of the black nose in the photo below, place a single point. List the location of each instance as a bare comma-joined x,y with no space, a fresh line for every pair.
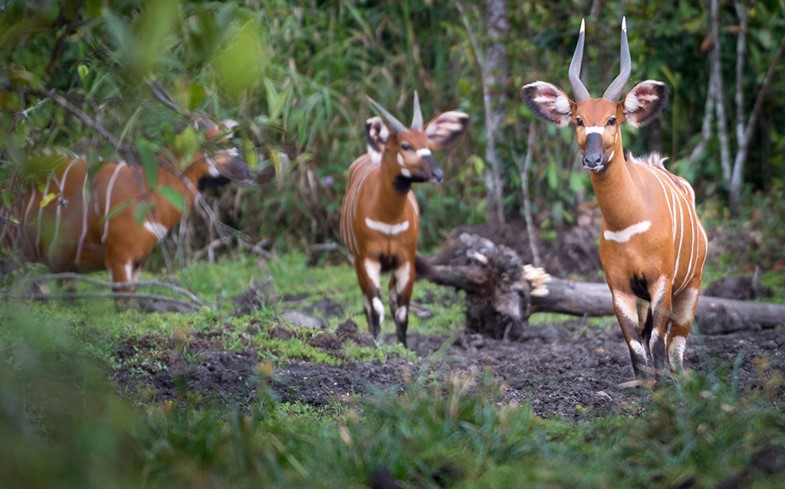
592,160
437,174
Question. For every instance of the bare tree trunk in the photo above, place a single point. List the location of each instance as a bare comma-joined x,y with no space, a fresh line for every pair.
492,61
716,73
744,132
523,170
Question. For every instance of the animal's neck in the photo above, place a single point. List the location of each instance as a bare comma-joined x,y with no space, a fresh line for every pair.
391,192
617,192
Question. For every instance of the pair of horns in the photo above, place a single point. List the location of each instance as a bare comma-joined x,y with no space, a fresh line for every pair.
396,125
614,89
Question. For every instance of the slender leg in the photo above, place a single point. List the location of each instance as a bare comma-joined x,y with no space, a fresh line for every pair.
660,292
121,271
368,272
401,286
684,306
624,304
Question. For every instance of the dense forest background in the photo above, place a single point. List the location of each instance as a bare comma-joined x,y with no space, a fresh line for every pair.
78,75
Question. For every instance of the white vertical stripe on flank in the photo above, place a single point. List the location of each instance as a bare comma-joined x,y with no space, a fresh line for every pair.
59,211
38,250
25,220
84,221
108,204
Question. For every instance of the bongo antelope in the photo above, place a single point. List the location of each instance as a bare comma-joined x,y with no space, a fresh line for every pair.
652,246
73,222
379,214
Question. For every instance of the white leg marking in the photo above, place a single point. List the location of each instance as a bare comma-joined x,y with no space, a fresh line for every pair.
659,290
402,277
638,349
401,314
676,352
129,271
374,270
682,306
627,233
655,335
378,307
625,303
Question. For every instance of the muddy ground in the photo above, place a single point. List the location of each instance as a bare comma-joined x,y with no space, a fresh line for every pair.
567,369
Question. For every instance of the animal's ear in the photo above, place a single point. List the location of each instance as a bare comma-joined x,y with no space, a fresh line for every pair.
376,133
644,102
445,128
548,102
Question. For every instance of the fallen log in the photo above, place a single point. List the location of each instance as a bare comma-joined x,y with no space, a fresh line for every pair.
503,292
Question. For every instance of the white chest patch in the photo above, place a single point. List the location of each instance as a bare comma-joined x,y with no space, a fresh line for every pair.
625,234
388,229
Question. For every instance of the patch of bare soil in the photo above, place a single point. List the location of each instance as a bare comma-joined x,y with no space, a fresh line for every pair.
567,369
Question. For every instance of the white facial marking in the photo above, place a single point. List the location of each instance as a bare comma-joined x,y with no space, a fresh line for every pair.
676,352
388,229
424,152
400,159
401,277
610,156
625,234
406,172
156,229
401,314
638,349
373,269
594,130
378,307
625,303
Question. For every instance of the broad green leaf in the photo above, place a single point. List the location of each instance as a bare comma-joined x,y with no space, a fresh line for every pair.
149,161
173,196
141,210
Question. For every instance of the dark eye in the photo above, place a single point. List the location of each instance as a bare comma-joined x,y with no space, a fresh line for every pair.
612,121
406,147
579,121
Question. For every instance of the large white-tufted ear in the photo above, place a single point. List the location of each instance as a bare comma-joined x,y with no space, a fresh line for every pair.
548,102
445,128
376,133
644,102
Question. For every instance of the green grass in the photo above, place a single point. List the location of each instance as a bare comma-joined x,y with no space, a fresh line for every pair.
64,423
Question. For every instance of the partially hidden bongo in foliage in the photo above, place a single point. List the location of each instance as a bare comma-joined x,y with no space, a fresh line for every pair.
379,214
72,221
652,246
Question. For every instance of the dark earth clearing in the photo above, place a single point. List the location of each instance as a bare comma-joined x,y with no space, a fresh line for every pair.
570,369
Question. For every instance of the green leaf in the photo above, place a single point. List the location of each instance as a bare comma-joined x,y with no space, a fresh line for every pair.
173,196
147,153
141,210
